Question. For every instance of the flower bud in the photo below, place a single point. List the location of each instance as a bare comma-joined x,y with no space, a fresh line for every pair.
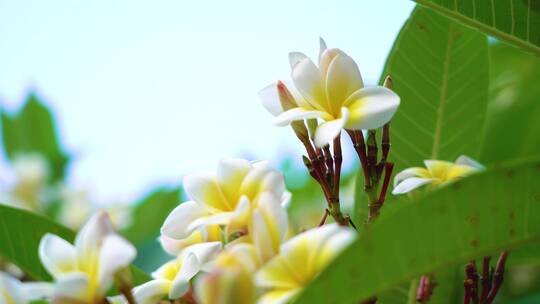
287,103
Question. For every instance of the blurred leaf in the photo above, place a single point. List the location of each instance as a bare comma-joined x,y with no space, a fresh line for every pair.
477,216
514,21
150,213
20,234
440,71
512,124
32,129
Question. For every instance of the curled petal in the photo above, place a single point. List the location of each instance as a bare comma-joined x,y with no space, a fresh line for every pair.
327,131
410,172
307,79
180,284
322,47
410,184
89,240
13,288
205,190
116,253
299,113
371,108
295,58
342,80
152,291
467,161
57,255
177,224
37,290
270,99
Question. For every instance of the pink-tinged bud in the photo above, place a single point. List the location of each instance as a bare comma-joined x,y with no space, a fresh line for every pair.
285,97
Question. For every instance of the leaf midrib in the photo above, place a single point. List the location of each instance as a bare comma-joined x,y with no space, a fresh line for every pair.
444,93
490,30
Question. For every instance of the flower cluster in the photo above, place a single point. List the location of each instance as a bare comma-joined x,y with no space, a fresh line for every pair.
231,242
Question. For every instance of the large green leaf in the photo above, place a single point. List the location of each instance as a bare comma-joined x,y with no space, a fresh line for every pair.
512,124
477,216
32,130
514,21
440,71
20,234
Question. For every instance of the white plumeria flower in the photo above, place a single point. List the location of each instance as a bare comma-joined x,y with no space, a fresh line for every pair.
224,199
436,173
12,291
300,260
84,272
230,277
333,92
31,172
172,279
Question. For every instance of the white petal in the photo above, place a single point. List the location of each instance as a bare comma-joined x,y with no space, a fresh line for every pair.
410,184
467,161
307,79
73,285
371,108
37,290
57,255
296,57
116,253
230,174
342,80
299,113
329,130
262,238
177,223
270,99
180,284
13,288
90,238
204,189
151,292
408,173
322,47
204,251
278,296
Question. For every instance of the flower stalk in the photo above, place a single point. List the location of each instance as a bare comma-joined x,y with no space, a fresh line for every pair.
489,281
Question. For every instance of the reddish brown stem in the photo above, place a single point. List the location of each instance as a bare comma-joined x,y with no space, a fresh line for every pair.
472,276
497,277
337,164
385,142
388,168
485,279
323,219
360,147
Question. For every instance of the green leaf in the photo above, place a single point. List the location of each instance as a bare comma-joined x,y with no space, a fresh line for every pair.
150,213
479,215
33,130
20,234
514,21
512,124
440,71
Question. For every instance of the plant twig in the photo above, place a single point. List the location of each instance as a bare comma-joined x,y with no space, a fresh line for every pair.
498,277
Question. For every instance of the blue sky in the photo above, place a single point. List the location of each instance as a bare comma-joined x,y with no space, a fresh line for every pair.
146,91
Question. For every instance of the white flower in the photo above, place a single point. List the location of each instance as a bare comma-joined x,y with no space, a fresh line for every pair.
226,199
300,260
12,291
334,92
84,272
173,278
230,277
436,173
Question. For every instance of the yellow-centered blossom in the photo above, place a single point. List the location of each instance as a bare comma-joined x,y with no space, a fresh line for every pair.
299,261
332,92
84,272
223,206
436,173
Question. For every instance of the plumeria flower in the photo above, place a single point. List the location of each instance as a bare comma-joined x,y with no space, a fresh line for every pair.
12,291
300,260
173,279
436,173
333,92
230,278
225,199
31,173
84,272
